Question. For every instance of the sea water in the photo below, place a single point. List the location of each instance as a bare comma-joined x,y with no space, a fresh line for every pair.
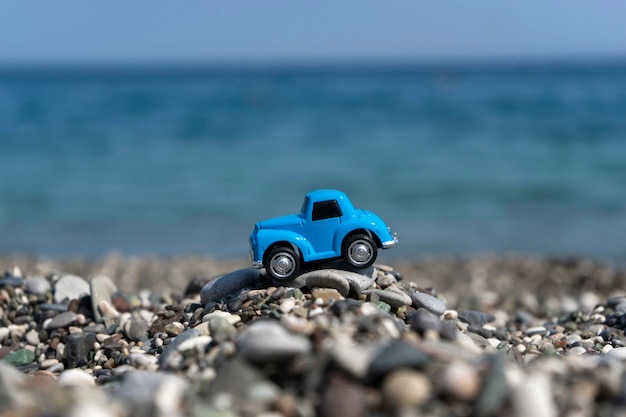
457,159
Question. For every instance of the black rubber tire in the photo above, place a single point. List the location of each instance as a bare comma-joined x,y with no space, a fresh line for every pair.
358,242
282,263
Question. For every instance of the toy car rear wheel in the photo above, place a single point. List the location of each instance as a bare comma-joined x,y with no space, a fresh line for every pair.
282,263
359,251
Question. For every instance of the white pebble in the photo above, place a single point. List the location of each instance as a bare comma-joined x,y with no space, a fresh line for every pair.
76,378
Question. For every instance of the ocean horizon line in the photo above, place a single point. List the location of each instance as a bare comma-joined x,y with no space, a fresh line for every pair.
332,66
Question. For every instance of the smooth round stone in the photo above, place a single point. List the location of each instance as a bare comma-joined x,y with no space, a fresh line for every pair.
269,342
32,338
37,286
4,333
62,320
343,266
422,320
618,353
48,363
394,356
360,281
102,289
326,278
76,378
459,381
220,329
533,397
142,360
386,280
393,296
476,318
406,388
136,329
174,329
70,287
430,303
230,284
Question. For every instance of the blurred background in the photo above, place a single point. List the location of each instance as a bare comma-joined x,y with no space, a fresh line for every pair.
162,128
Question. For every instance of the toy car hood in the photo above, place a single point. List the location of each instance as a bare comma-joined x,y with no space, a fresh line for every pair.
280,222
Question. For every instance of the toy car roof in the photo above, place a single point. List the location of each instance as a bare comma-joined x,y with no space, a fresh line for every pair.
321,195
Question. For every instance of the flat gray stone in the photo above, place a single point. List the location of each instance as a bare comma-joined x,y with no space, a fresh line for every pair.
326,278
430,303
62,320
393,296
476,318
359,282
70,287
230,284
37,286
102,288
268,342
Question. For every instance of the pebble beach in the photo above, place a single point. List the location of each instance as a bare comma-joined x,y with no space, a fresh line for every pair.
505,335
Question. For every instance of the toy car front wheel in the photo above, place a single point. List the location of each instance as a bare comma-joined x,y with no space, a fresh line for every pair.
359,251
282,263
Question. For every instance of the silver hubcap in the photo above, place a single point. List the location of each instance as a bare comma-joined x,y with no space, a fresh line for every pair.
360,251
282,264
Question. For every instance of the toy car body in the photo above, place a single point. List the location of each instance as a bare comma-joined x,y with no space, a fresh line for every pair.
327,227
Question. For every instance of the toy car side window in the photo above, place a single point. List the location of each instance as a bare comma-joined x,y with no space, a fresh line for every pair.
326,210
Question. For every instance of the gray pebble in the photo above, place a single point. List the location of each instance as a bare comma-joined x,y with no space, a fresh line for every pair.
422,320
62,320
37,286
618,352
136,329
11,281
53,307
78,347
476,318
230,284
269,342
326,278
359,281
102,288
70,287
393,296
430,303
394,356
220,329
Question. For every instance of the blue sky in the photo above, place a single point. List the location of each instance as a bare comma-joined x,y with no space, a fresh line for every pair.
289,30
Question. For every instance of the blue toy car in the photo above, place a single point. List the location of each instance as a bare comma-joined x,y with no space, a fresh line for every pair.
327,227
